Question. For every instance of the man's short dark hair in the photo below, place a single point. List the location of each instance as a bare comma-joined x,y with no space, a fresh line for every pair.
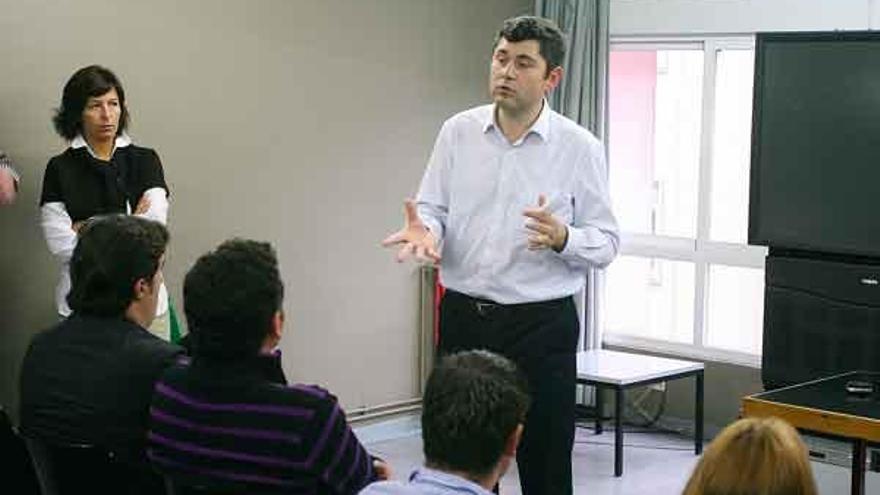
550,39
473,401
112,253
230,296
86,83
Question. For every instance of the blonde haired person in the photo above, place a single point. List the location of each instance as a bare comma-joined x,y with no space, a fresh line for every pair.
754,456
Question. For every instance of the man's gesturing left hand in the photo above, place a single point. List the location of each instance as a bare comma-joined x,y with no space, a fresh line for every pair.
545,230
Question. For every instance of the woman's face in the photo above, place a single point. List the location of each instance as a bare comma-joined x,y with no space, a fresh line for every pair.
100,117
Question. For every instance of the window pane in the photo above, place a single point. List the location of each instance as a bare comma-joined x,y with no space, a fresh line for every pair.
731,148
655,101
735,316
650,297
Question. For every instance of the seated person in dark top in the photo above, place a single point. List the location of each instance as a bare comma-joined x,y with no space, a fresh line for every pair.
472,419
89,379
228,420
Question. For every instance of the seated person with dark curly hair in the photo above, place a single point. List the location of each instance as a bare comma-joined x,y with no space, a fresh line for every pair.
89,379
228,420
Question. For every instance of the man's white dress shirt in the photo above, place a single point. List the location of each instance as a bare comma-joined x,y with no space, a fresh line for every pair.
477,185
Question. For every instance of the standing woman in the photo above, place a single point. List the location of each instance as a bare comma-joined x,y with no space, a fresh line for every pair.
100,173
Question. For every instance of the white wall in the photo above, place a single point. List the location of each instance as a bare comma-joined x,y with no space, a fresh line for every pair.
658,17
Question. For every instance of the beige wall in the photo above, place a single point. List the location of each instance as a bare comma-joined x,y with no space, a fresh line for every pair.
304,123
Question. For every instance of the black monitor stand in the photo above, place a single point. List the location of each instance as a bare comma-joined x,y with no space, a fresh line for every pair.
821,316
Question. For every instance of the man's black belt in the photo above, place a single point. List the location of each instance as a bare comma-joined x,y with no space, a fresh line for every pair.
487,307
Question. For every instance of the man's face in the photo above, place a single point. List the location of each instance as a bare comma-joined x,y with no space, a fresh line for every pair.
518,78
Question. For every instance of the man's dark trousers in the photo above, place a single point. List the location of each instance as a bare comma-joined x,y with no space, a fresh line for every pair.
541,338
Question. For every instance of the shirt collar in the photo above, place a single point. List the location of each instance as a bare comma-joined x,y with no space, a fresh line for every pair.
541,127
434,477
263,367
79,141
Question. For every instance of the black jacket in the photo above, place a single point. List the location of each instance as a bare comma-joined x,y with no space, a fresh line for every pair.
90,380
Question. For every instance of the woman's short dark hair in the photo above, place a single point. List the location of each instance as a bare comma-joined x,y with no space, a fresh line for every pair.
230,297
112,253
551,41
473,402
86,83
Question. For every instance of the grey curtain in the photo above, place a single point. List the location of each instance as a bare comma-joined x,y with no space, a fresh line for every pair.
582,94
582,97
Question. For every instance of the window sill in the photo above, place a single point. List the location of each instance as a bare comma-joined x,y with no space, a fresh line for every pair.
685,351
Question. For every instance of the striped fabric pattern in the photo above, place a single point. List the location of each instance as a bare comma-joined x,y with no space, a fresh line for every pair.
231,428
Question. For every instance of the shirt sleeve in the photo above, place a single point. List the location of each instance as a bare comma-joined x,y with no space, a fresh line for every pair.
54,218
433,196
158,210
58,230
593,236
340,460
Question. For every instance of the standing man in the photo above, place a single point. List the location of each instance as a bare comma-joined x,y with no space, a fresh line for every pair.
8,180
517,196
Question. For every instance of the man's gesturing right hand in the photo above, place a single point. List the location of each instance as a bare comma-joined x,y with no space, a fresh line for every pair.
414,238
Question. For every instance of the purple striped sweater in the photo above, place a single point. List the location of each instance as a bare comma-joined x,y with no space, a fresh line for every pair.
234,426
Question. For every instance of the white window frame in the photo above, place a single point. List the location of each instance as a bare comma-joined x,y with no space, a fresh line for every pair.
701,251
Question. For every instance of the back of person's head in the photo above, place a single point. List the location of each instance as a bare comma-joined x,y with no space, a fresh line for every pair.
551,41
473,403
754,456
231,296
112,253
91,81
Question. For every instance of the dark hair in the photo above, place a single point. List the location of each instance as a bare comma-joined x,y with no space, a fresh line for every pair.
230,296
85,83
112,253
551,41
473,401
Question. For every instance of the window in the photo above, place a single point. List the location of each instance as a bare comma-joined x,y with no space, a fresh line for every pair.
679,150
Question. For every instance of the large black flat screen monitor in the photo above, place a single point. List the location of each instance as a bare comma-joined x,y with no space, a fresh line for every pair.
815,171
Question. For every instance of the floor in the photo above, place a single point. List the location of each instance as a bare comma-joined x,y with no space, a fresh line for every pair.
654,463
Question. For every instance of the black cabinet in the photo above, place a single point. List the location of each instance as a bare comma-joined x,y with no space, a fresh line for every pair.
821,317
